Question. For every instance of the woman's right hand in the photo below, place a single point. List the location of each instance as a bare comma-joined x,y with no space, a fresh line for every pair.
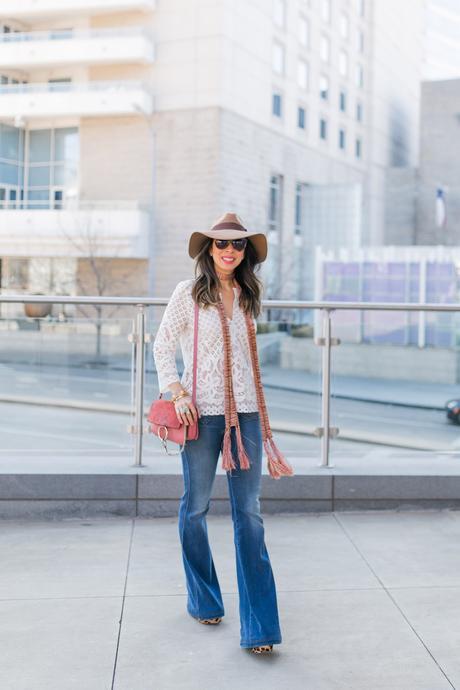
185,410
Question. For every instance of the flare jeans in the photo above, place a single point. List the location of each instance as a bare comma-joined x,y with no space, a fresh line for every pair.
258,608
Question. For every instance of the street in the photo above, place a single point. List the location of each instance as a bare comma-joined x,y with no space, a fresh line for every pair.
293,414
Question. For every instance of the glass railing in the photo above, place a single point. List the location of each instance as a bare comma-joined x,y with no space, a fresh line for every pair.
72,34
74,86
338,380
72,203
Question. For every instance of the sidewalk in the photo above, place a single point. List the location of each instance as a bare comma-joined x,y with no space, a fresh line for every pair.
395,392
366,601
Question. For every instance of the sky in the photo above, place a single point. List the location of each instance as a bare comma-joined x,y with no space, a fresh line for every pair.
442,39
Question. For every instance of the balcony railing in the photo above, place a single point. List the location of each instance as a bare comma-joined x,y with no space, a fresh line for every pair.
76,228
68,46
40,8
84,98
72,34
138,336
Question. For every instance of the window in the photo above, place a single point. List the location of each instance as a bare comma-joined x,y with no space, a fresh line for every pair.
326,10
323,128
276,104
324,87
361,7
301,117
302,74
343,101
278,58
17,274
279,12
298,209
274,206
344,25
325,48
342,139
358,148
343,63
304,32
359,111
359,76
360,40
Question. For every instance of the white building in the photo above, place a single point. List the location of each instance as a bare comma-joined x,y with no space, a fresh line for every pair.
287,112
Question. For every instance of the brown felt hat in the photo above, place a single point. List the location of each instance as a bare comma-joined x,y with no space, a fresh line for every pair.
229,227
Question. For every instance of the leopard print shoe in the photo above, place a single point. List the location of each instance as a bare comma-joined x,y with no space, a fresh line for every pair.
263,649
209,621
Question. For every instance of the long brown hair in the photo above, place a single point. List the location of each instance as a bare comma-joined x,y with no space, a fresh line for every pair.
205,289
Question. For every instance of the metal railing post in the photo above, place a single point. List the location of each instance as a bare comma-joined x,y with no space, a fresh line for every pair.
139,340
326,388
326,431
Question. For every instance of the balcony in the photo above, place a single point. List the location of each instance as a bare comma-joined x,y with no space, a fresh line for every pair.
40,9
96,46
103,229
92,98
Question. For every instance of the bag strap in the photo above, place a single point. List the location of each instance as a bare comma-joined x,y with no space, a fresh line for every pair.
195,352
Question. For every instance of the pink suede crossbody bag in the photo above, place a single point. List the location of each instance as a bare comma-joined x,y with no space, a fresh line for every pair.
162,415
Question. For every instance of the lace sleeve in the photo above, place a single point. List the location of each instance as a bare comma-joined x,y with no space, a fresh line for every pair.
172,324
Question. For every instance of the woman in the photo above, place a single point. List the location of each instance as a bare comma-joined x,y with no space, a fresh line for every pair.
232,418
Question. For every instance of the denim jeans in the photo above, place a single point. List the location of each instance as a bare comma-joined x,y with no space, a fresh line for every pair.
258,608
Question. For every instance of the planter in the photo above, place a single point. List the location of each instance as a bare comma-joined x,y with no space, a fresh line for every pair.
36,310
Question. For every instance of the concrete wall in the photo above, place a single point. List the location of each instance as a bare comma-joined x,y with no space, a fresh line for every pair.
400,210
439,162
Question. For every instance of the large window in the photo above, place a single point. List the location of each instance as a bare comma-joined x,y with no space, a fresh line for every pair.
51,173
302,74
277,105
324,87
53,163
274,212
11,165
326,10
323,128
278,58
343,63
325,48
344,25
304,32
279,12
301,118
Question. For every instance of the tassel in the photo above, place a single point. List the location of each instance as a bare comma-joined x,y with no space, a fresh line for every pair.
277,464
242,455
227,459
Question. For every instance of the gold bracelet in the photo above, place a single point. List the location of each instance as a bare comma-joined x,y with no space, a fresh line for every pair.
179,395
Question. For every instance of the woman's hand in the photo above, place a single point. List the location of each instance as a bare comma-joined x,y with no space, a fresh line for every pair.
185,410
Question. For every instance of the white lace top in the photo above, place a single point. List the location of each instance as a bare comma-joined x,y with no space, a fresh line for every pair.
177,325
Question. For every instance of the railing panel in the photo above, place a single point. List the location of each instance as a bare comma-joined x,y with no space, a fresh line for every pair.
66,381
388,395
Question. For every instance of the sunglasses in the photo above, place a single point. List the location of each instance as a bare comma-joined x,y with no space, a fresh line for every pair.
239,244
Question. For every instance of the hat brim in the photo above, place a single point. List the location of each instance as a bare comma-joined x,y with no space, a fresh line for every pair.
257,239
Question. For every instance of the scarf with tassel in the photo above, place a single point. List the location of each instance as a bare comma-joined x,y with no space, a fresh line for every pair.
278,466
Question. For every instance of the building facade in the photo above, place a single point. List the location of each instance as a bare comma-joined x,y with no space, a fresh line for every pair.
126,124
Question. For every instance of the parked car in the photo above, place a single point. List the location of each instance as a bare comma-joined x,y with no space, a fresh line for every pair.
453,410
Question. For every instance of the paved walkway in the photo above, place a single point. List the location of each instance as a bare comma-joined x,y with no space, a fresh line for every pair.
367,601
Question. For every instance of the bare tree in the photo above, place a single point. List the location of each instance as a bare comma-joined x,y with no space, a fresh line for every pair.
100,279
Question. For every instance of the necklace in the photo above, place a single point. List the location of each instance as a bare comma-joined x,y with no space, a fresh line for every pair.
224,277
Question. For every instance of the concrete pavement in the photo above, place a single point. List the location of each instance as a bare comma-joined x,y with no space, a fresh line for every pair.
366,600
